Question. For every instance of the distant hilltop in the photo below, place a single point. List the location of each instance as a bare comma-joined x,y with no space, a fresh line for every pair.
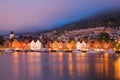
103,19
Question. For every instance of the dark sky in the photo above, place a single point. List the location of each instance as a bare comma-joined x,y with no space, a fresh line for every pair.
31,15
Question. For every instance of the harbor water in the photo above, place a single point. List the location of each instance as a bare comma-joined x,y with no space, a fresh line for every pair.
59,66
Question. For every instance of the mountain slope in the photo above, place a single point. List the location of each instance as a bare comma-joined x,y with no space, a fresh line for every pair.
108,18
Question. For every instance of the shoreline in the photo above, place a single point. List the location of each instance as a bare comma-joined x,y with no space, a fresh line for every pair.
73,51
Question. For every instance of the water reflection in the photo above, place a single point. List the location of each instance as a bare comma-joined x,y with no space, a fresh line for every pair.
59,66
117,68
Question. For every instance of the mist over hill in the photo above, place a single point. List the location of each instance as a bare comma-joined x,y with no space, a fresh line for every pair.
106,19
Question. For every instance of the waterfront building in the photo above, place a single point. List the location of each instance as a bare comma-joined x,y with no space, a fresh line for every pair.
26,44
104,45
55,45
78,45
83,45
72,44
15,44
96,44
7,43
21,45
67,45
49,44
38,45
89,44
110,45
32,45
61,45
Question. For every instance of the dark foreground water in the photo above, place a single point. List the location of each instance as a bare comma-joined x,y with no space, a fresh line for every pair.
59,66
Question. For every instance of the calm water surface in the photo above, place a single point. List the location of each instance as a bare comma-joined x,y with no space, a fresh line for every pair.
59,66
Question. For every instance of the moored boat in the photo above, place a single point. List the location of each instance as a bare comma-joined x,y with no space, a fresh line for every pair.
93,51
109,51
25,50
9,50
76,51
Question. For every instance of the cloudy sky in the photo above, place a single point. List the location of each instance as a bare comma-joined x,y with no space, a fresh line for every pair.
32,15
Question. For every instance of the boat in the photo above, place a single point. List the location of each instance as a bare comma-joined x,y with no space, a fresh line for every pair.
61,51
109,51
44,50
76,51
24,50
9,50
93,51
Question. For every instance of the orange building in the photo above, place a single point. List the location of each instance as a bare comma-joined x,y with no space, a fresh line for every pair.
104,45
72,44
21,45
61,45
110,45
15,44
96,44
89,44
49,44
26,44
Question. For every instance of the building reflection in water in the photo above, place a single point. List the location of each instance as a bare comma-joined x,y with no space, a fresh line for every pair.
70,64
59,66
82,66
15,65
24,64
60,59
117,68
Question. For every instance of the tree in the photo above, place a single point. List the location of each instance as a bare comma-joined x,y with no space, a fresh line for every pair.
71,39
2,40
85,38
103,36
117,45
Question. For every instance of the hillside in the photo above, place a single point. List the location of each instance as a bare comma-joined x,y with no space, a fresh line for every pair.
108,18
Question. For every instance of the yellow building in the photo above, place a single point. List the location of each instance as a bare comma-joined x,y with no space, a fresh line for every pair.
55,45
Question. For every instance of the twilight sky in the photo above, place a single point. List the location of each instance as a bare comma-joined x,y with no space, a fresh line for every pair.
32,15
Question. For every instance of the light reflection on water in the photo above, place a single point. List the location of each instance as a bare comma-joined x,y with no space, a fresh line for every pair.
59,66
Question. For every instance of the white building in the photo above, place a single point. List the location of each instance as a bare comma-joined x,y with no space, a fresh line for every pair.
83,45
78,45
35,45
32,45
